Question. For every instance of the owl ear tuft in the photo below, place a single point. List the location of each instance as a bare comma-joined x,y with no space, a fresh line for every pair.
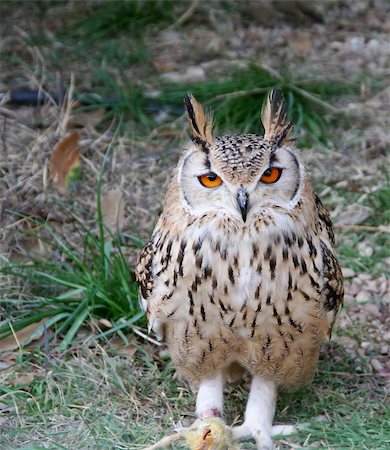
201,123
277,127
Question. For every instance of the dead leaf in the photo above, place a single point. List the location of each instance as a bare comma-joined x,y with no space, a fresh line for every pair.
115,342
24,378
65,161
30,248
86,118
300,43
127,350
21,337
104,324
113,210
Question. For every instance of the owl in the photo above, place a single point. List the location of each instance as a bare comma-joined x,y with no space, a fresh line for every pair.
240,273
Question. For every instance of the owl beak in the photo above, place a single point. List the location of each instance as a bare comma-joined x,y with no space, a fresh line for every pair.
243,202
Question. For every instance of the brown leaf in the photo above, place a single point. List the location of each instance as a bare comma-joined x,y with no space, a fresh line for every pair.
23,378
86,118
104,324
21,337
127,350
32,247
65,160
113,210
115,342
300,43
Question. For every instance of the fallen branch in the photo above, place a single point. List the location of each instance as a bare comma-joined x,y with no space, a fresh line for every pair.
136,330
379,229
186,15
166,441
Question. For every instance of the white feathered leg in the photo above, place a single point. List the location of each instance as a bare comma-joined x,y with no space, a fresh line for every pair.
259,414
209,401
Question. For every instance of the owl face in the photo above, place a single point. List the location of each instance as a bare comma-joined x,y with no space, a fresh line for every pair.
239,176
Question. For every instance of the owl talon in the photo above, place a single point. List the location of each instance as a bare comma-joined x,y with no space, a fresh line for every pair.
245,432
283,430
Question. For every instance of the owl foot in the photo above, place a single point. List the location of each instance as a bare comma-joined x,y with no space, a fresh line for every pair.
209,401
262,438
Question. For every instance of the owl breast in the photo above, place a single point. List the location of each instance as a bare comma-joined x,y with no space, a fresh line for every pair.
244,294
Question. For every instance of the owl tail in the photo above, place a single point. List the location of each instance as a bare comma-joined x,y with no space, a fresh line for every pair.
277,127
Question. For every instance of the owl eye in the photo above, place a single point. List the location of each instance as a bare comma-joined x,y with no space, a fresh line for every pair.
271,175
210,180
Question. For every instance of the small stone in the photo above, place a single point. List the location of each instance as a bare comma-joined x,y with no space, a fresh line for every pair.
342,184
371,286
362,297
361,353
377,365
365,250
347,272
321,418
364,345
354,214
384,350
192,74
349,299
386,336
372,310
348,342
365,276
355,287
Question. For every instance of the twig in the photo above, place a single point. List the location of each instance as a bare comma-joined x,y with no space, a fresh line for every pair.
186,15
166,440
69,105
8,113
303,92
315,99
380,229
145,336
235,94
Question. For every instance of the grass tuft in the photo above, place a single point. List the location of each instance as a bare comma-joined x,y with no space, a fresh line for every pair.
80,283
108,19
237,100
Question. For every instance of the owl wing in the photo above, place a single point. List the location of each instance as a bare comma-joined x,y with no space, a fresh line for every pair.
325,222
332,291
151,273
143,273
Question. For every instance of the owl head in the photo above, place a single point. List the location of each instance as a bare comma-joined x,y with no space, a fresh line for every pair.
240,175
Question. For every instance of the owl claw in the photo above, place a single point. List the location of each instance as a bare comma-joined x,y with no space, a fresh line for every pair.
283,430
262,438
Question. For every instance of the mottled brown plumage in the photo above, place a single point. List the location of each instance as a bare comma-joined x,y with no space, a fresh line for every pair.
243,273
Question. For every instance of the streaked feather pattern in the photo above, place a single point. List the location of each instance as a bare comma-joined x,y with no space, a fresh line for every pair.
277,127
201,122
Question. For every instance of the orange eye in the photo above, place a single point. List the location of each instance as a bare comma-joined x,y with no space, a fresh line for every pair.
271,175
211,180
